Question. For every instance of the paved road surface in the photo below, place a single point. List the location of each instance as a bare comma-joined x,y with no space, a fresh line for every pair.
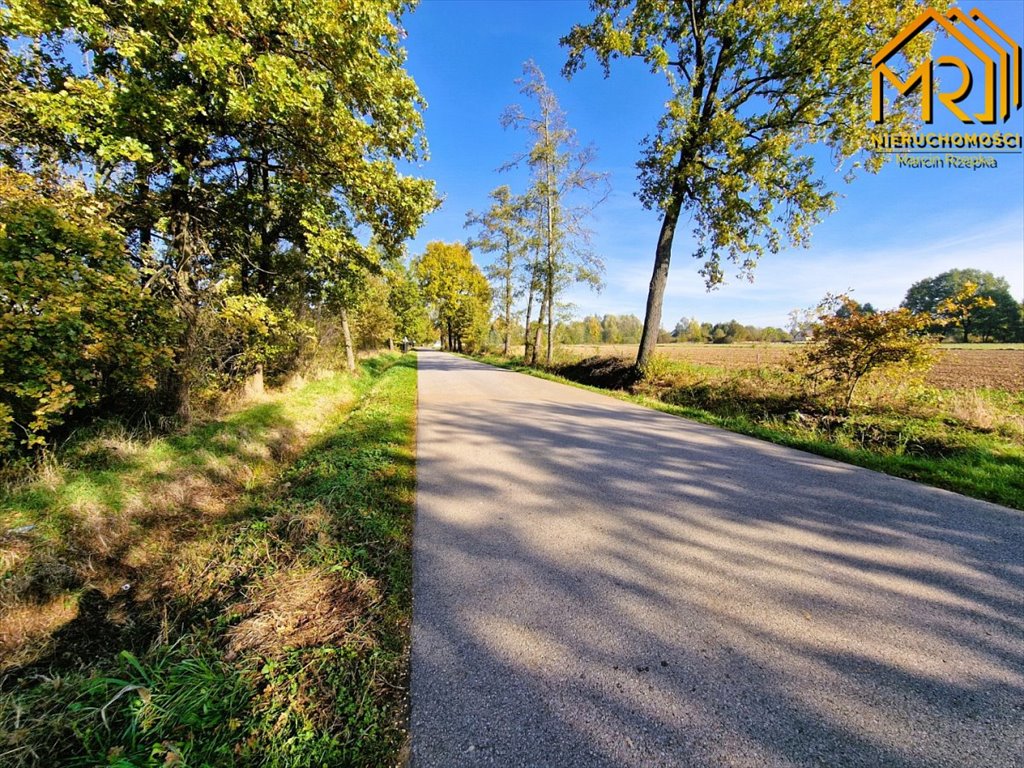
597,584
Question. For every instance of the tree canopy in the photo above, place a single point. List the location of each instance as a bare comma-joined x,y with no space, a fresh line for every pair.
457,294
752,87
989,311
227,149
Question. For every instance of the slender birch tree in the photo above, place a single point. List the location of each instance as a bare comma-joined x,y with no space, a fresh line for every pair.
561,176
501,230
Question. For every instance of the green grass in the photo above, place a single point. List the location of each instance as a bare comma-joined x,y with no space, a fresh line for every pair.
971,443
110,468
268,615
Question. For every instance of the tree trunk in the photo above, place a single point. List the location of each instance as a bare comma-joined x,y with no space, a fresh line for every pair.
526,329
350,357
508,312
549,272
144,223
182,388
183,282
850,392
656,294
264,255
550,302
253,386
536,337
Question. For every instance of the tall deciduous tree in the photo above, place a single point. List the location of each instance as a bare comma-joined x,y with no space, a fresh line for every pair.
561,174
752,86
249,141
457,293
503,231
992,312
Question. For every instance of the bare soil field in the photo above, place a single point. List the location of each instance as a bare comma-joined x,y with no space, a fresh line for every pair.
971,368
957,368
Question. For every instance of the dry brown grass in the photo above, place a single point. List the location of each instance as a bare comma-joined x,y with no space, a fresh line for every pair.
978,412
299,608
27,628
124,513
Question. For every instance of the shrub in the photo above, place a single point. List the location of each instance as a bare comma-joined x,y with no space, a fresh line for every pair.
242,334
846,346
75,324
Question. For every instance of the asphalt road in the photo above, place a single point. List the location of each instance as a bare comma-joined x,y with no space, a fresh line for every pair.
597,584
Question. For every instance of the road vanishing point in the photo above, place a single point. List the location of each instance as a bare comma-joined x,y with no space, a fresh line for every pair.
599,584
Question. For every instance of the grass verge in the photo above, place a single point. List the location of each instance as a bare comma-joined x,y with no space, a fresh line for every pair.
969,442
238,595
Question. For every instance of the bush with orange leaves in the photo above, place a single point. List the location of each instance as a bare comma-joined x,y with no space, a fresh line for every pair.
847,344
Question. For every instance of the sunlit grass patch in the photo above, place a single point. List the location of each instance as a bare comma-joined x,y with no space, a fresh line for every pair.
255,609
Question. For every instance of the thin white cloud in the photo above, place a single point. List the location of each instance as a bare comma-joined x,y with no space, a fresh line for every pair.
880,273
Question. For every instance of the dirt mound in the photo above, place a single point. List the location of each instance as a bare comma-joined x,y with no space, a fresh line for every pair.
604,372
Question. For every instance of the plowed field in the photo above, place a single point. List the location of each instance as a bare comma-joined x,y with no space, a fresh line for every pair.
957,368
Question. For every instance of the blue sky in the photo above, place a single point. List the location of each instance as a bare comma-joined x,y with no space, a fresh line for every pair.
891,229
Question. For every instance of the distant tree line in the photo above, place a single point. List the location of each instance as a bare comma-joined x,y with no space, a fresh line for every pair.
628,329
607,329
960,305
691,330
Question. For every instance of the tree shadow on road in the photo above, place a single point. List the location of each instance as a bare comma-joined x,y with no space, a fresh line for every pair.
659,592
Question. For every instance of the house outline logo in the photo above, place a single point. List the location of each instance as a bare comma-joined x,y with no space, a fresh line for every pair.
1001,78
